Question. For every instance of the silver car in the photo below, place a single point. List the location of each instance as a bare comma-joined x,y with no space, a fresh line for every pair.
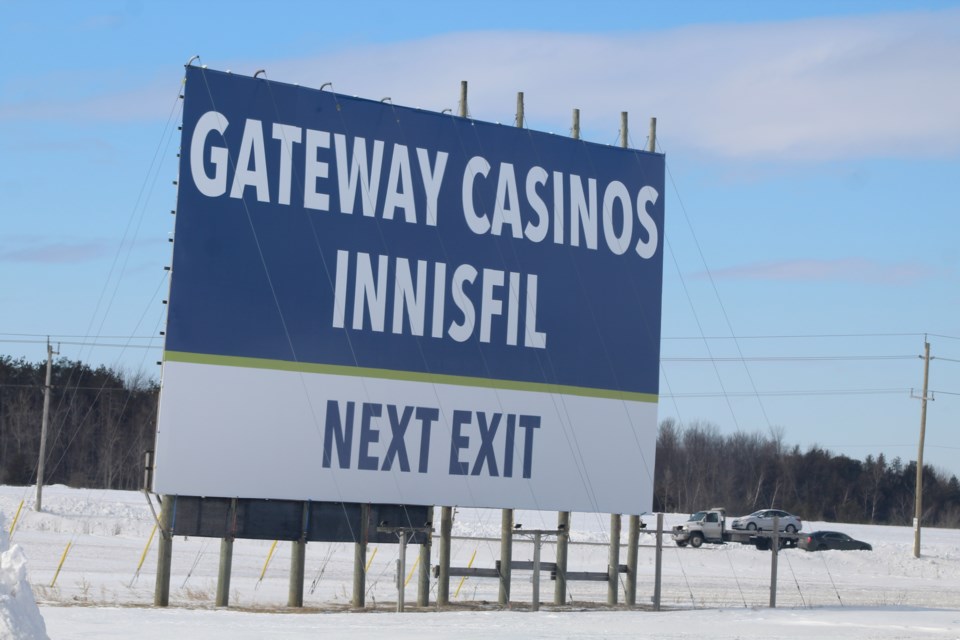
763,521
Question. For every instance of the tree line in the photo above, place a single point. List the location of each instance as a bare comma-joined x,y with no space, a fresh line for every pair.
102,421
699,468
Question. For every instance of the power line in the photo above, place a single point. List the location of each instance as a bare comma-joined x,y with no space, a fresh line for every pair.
92,341
801,336
812,392
728,337
74,336
663,359
63,388
90,344
784,358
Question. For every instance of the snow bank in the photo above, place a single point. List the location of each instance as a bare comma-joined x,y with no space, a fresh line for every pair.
20,618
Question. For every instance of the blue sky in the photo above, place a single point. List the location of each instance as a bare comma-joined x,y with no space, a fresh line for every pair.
813,151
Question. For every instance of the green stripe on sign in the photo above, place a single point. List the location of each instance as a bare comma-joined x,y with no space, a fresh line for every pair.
410,376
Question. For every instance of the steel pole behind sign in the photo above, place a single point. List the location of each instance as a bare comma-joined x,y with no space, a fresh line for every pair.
774,549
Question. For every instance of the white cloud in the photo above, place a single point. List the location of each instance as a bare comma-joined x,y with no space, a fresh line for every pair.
883,85
101,96
42,251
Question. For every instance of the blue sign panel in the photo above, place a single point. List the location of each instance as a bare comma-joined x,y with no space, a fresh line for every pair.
334,241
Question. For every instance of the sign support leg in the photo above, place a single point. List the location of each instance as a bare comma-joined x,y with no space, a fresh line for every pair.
536,571
161,592
658,566
560,588
360,559
443,583
633,542
298,557
423,575
613,560
401,570
506,555
223,575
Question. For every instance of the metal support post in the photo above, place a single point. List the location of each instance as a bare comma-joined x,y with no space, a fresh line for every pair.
536,571
298,556
613,560
658,564
633,543
423,575
563,538
506,555
223,575
775,551
226,555
463,112
161,592
360,559
298,559
443,580
401,570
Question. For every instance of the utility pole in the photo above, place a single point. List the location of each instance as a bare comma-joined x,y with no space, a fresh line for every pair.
918,500
43,426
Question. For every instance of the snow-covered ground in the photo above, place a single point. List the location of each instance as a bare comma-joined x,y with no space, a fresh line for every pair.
720,591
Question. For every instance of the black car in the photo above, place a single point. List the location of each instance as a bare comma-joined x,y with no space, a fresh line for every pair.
822,540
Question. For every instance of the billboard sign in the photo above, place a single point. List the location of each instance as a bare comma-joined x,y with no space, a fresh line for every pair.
373,303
